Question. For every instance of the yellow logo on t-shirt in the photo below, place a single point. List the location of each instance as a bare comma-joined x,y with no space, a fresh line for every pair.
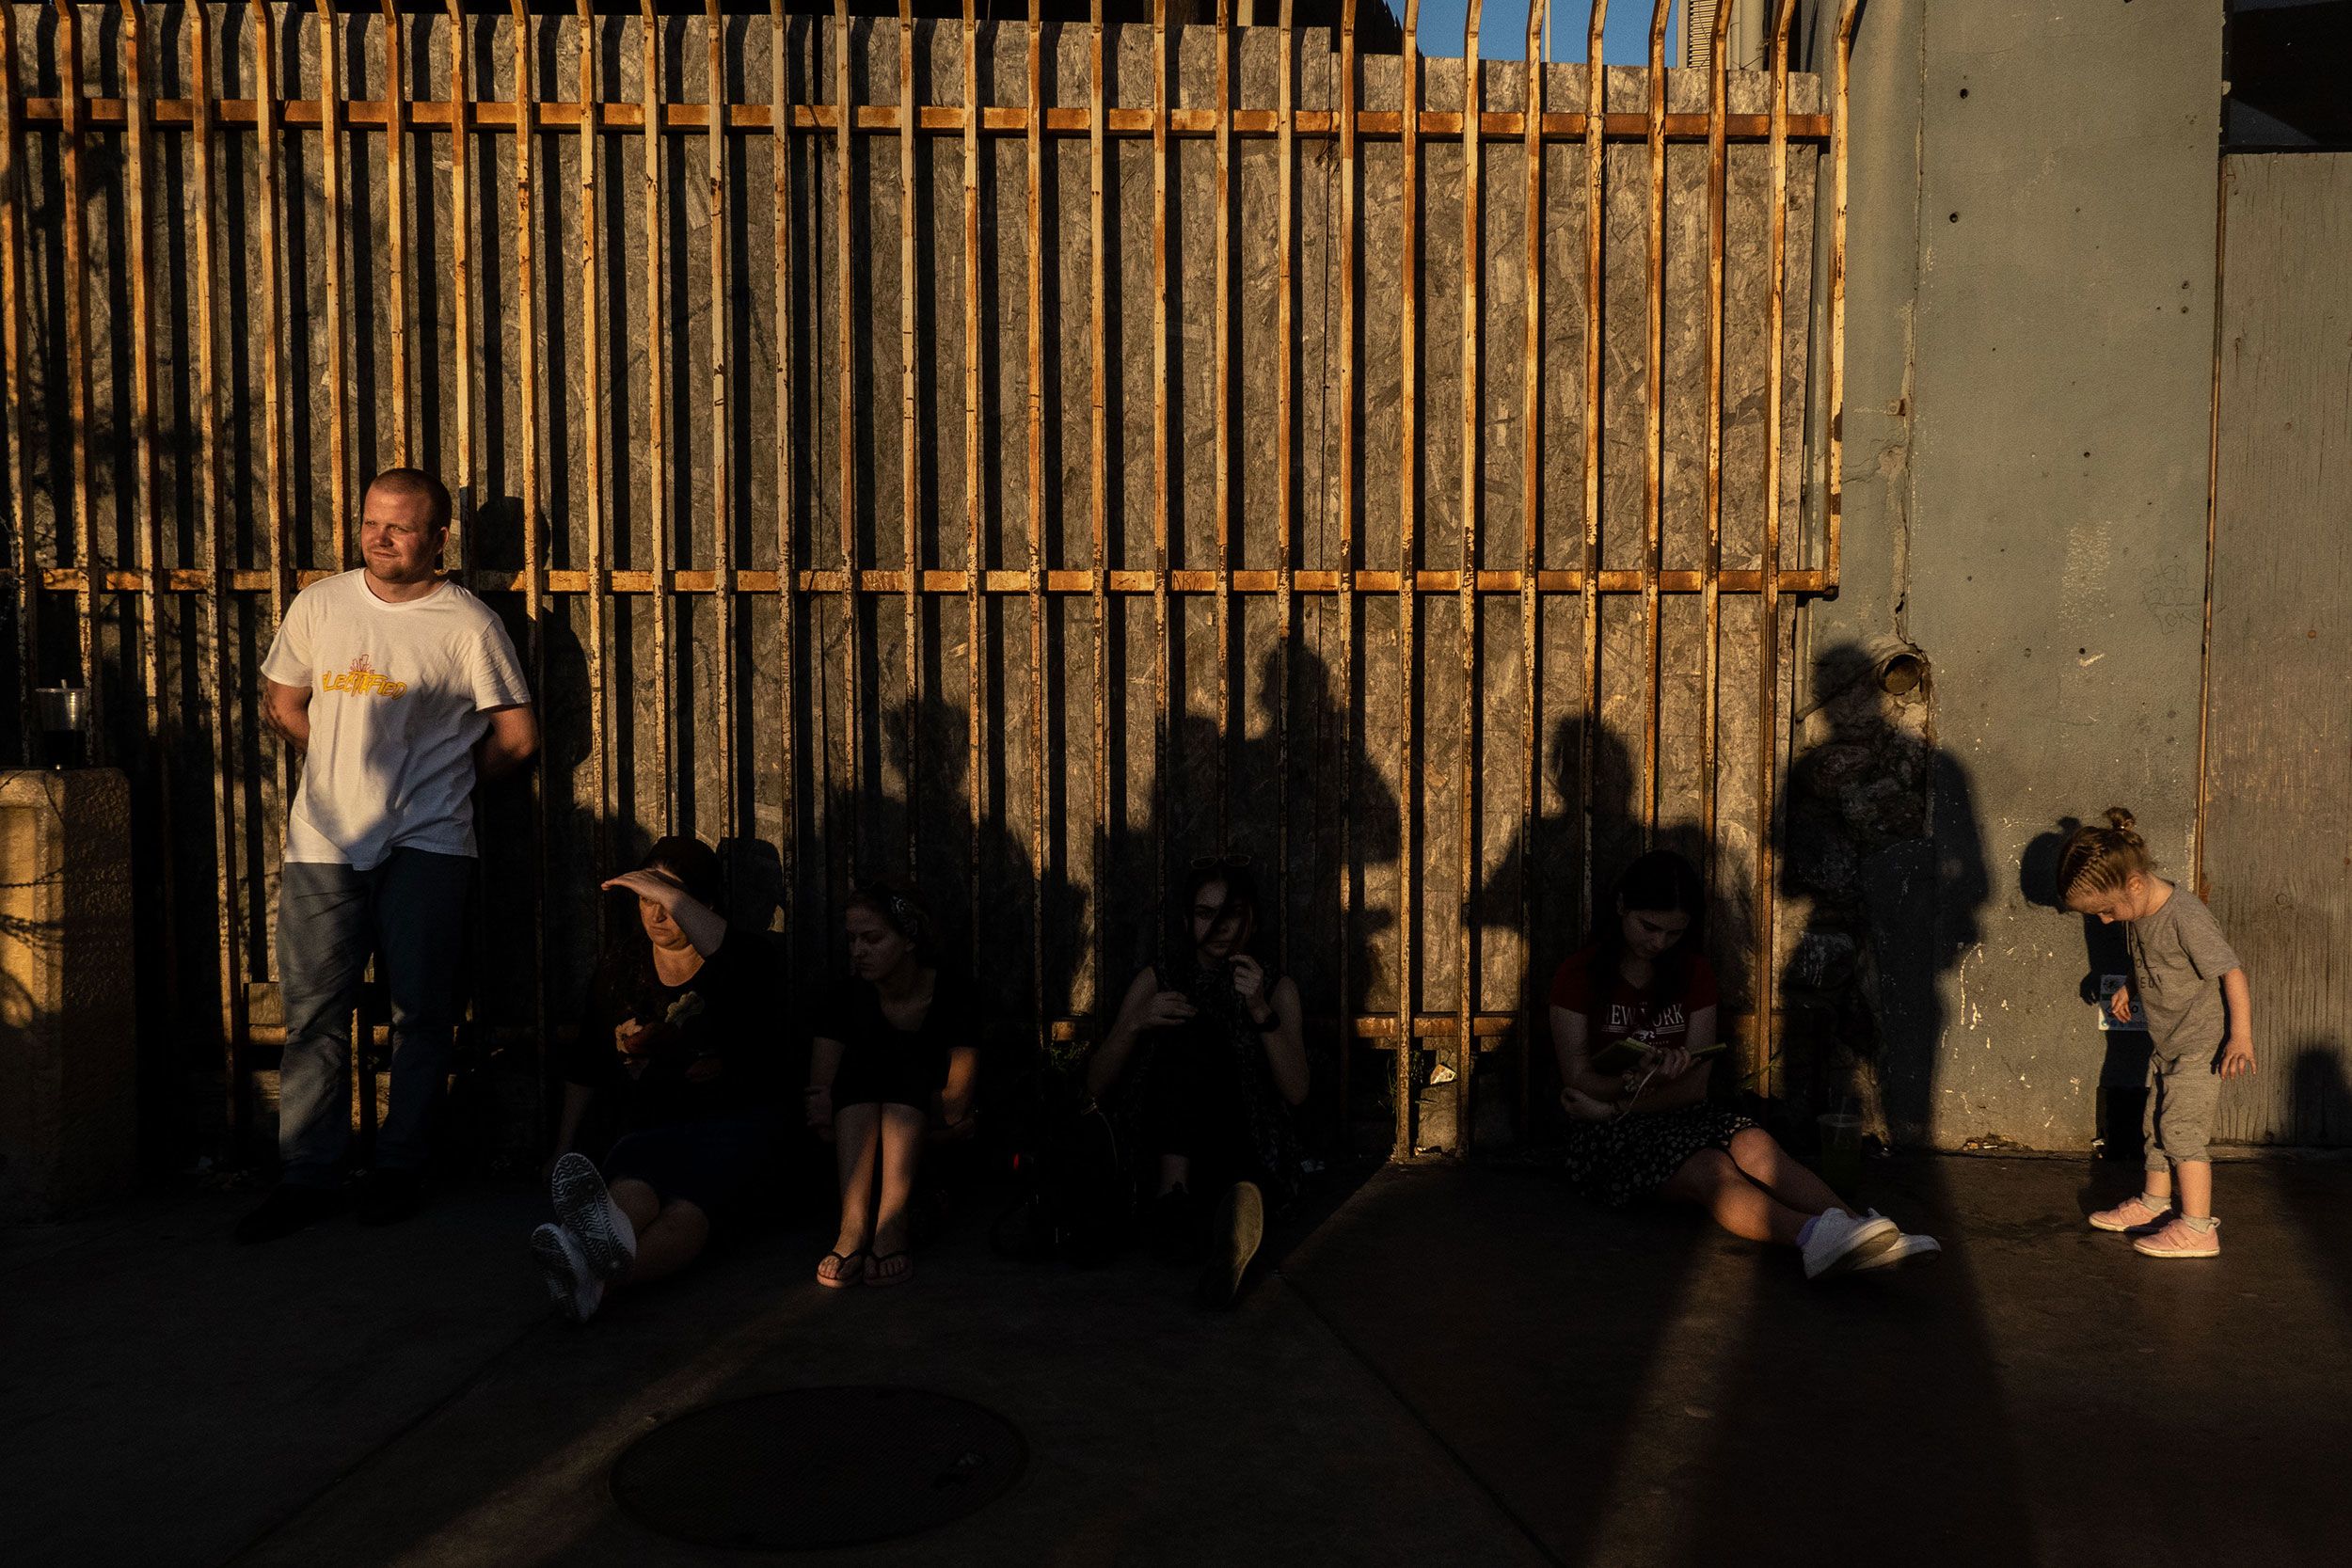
361,680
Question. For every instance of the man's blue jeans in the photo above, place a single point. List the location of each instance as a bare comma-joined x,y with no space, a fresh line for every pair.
411,913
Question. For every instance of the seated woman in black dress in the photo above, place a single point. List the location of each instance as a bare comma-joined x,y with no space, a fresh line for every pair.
897,1046
1208,1055
682,1032
1634,1023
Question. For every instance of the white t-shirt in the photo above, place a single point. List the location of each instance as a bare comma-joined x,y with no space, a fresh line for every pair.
398,693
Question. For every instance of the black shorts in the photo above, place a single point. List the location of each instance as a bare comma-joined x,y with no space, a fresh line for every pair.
869,1076
711,1164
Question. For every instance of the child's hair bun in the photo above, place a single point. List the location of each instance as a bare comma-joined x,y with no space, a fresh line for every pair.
2121,820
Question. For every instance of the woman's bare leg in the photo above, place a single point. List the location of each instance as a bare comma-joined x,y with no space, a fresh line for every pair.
1711,1181
856,1141
1762,1161
901,1148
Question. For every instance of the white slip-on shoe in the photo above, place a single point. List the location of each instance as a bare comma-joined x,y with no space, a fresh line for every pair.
1841,1243
571,1285
585,1208
1907,1249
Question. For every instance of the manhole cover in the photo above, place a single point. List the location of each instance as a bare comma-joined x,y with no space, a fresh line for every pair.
817,1467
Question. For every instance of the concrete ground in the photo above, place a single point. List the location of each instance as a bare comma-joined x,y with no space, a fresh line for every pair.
1456,1366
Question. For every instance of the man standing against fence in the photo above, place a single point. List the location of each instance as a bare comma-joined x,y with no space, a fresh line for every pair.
399,688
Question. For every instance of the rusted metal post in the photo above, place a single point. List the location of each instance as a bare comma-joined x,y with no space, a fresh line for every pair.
1034,233
788,567
910,475
1098,508
591,436
1409,499
74,285
1285,355
1840,144
338,223
1161,476
1531,552
396,209
1221,361
845,115
273,509
1762,1071
150,537
975,559
1465,1037
26,569
214,548
1653,419
1596,105
534,541
461,298
1711,563
656,329
1345,1001
722,434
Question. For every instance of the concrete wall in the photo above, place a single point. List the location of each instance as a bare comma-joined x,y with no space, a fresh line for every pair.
2029,335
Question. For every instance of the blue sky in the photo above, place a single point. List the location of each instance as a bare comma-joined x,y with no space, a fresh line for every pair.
1503,28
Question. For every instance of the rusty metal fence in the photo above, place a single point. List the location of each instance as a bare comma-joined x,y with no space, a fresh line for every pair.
896,442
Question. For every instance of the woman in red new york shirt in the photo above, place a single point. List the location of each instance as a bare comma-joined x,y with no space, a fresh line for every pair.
1633,1022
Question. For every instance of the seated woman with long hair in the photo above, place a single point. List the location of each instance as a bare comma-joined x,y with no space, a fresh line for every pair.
896,1052
1634,1023
681,1032
1207,1052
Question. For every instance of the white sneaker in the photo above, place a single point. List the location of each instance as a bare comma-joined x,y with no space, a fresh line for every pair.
571,1283
587,1211
1841,1243
1907,1249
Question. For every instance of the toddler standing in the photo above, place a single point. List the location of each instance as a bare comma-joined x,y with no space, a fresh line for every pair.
2189,989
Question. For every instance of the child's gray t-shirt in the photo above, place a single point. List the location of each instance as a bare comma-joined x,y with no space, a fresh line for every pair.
2179,956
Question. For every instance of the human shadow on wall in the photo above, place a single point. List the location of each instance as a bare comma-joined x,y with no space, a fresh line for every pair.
1880,835
2122,1090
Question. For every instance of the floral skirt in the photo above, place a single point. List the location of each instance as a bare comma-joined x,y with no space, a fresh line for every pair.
1633,1156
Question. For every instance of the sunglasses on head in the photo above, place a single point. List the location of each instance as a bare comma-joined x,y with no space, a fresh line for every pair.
1203,862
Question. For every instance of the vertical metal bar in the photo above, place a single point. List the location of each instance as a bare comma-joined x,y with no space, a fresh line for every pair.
1408,408
1346,335
1768,604
909,466
12,376
722,487
1840,140
845,382
1465,955
1711,568
1222,360
1285,352
1160,475
150,538
788,571
272,339
592,374
976,559
1596,105
461,265
338,391
657,329
1653,422
1035,233
534,541
1098,501
2213,459
75,285
396,206
212,548
1531,535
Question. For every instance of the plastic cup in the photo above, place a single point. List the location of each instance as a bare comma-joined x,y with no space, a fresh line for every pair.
1841,1152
